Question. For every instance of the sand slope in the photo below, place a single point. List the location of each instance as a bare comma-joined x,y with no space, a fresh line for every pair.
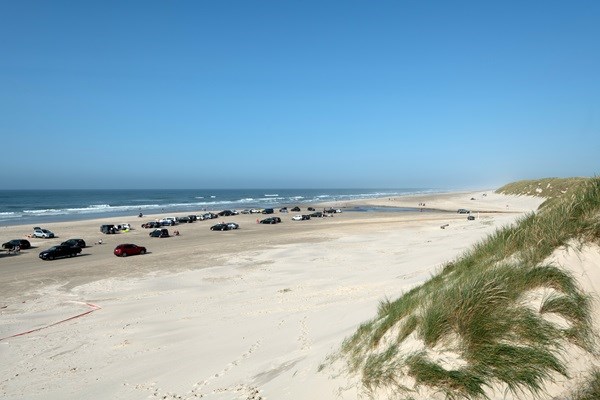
219,315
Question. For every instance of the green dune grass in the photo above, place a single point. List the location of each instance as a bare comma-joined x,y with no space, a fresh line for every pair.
498,315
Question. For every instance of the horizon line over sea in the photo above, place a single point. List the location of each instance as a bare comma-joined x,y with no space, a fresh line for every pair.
38,206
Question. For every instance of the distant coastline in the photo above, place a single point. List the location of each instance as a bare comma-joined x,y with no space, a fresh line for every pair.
20,207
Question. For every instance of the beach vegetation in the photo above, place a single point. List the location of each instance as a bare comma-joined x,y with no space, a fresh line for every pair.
500,315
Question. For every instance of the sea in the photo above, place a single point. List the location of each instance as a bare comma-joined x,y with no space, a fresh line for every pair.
18,207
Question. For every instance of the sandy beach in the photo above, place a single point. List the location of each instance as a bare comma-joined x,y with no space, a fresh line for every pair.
245,314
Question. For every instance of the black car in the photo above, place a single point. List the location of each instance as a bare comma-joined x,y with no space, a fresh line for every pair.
184,220
74,242
271,220
152,224
330,211
296,209
226,213
220,227
268,211
108,229
159,233
311,209
317,214
59,251
209,215
11,244
471,218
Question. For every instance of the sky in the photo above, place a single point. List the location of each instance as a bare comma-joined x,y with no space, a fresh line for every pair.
297,94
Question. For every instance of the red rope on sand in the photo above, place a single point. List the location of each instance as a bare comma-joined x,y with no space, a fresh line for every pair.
94,307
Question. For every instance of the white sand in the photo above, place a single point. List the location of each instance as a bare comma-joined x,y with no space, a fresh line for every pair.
248,314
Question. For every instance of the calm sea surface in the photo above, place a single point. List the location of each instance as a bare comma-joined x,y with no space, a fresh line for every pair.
39,206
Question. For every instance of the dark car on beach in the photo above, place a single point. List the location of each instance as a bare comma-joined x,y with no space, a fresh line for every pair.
129,249
59,252
74,242
295,209
209,215
271,220
226,213
220,227
159,233
151,224
21,243
268,211
108,229
317,214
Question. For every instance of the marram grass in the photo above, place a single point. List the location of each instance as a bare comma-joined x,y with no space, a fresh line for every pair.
478,308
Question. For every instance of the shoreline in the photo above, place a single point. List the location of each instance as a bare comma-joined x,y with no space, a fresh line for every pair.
221,315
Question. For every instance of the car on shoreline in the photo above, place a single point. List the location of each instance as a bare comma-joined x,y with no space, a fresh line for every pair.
108,229
59,251
128,249
208,215
271,220
21,243
42,233
159,233
168,221
301,217
74,242
220,227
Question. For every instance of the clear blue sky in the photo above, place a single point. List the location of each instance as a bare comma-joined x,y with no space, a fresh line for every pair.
242,94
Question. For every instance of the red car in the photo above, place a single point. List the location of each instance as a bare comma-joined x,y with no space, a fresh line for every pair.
124,250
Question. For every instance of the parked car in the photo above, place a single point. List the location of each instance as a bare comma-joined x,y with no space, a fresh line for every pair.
151,224
256,211
129,249
300,217
159,233
463,211
317,214
74,242
268,211
59,251
220,227
123,227
11,244
225,213
271,220
283,210
108,229
168,221
330,211
42,233
245,211
311,209
209,215
471,218
233,225
295,209
185,220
